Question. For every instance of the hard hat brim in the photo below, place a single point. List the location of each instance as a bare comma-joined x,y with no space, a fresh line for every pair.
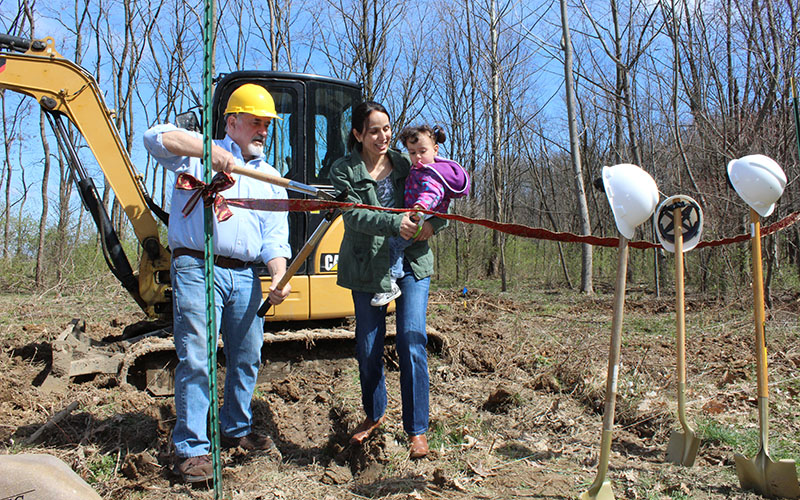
624,229
765,211
692,242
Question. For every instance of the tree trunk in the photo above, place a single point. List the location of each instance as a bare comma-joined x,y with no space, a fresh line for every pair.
40,249
496,264
575,154
7,140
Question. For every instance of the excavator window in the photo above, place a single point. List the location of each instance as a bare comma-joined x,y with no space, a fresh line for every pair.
331,113
280,146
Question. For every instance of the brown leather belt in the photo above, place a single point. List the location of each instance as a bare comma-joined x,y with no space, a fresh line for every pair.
226,262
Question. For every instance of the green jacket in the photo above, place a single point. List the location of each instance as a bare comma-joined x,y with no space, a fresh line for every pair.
364,254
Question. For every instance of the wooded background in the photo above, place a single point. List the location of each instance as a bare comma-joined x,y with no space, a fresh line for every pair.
535,97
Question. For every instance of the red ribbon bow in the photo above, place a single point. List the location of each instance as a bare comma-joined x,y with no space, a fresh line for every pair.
220,182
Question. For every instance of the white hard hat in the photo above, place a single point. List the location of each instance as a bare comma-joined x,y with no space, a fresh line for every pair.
758,180
690,225
632,194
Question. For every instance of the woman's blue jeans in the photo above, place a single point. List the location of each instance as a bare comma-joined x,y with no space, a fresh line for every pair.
237,293
411,342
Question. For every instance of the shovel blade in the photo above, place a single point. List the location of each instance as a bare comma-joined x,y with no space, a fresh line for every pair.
767,477
604,493
682,448
782,478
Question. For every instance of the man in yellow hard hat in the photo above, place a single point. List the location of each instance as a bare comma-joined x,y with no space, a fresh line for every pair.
241,242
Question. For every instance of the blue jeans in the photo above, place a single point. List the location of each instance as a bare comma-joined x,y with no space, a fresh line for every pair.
237,295
411,341
397,246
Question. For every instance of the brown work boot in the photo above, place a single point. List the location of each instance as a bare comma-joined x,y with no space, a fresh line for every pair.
419,447
365,429
194,469
250,442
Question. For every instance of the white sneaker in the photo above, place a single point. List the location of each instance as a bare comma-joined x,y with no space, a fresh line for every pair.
383,298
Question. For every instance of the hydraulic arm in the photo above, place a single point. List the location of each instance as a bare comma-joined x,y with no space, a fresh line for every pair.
64,89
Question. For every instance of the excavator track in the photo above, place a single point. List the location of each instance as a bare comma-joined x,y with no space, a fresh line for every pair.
148,361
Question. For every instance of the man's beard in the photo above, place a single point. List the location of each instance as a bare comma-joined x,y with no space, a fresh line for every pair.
254,149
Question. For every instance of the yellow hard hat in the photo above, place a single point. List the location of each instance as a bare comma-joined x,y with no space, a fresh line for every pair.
253,99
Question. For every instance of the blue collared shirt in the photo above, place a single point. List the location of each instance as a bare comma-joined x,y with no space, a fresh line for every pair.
250,235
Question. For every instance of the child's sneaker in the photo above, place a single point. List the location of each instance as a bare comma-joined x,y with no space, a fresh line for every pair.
383,298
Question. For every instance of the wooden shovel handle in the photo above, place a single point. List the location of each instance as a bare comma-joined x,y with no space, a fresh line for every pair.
680,318
255,174
282,181
758,305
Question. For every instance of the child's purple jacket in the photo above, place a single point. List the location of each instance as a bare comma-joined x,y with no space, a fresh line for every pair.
433,185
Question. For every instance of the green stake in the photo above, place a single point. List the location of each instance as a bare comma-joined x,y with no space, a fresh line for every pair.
211,322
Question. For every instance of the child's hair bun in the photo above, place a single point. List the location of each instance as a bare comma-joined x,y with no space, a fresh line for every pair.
410,135
438,134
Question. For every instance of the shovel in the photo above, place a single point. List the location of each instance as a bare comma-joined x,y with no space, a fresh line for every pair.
283,182
601,488
309,247
682,448
301,257
761,474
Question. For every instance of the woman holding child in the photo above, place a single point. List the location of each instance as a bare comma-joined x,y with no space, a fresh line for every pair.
374,174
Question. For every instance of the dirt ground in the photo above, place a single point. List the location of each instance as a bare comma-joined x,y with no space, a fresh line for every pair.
517,394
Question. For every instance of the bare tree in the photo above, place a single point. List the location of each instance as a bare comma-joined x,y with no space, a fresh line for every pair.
580,192
140,18
277,34
507,65
357,45
9,135
40,249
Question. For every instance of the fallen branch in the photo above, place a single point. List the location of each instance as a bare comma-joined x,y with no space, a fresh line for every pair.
50,423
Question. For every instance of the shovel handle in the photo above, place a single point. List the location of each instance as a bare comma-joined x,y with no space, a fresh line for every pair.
282,181
613,369
680,319
266,305
758,305
301,257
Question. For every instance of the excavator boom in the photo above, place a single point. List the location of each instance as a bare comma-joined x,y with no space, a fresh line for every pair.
64,89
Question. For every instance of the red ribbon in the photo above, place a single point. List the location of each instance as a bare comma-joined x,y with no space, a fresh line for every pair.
209,193
296,205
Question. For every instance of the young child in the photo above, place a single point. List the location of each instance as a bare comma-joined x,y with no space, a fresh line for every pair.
430,185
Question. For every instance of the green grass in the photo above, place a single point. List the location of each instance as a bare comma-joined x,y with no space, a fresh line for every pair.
747,441
441,434
452,432
102,468
742,441
650,325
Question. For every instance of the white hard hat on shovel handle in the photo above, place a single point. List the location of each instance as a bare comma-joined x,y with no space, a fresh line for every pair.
689,223
632,194
758,180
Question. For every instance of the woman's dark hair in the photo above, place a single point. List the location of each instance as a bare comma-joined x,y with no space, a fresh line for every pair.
410,135
360,114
